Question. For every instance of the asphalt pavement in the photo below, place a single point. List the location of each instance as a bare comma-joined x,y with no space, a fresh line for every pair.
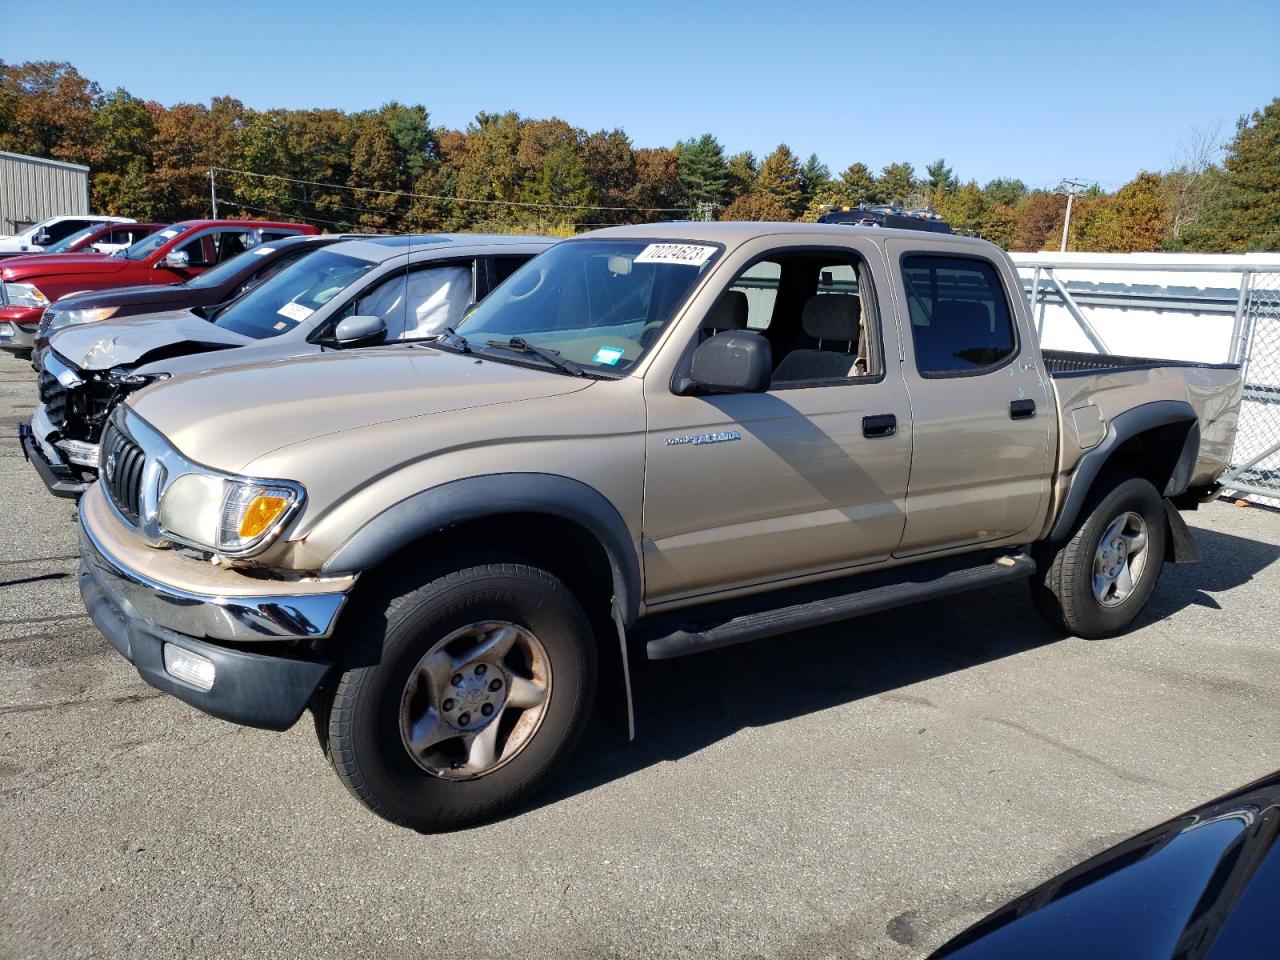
862,790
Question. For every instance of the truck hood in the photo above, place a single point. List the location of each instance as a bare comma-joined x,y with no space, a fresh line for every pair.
114,343
229,418
60,265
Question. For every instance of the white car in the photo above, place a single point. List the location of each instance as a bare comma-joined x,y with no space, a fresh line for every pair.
35,238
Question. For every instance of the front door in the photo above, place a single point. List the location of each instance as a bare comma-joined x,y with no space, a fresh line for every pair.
805,478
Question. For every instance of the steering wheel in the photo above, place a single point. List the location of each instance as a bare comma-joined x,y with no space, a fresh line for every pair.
650,334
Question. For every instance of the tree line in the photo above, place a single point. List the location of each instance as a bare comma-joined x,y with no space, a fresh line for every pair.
392,169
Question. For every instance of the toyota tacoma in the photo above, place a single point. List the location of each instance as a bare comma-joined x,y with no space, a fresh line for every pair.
650,440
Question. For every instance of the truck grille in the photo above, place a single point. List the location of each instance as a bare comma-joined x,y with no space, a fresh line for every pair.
54,397
120,468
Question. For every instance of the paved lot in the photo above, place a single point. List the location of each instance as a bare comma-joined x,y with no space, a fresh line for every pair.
858,791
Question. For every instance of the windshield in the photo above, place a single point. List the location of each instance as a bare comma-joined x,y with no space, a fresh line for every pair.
67,242
228,269
149,245
599,303
292,295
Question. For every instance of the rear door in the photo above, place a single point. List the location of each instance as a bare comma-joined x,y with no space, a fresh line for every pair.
742,489
981,412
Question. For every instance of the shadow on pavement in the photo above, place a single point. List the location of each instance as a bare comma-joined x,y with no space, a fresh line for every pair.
685,705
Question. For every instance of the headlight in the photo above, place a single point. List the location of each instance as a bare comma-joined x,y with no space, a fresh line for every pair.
225,515
67,318
24,295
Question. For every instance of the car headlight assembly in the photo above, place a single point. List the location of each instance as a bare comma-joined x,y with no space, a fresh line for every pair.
24,295
225,515
69,318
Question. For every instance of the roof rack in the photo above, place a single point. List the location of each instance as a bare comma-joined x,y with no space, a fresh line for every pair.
885,215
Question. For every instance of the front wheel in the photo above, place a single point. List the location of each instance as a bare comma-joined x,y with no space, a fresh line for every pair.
1096,583
484,684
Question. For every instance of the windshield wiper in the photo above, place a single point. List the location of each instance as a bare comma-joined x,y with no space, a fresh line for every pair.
521,345
454,339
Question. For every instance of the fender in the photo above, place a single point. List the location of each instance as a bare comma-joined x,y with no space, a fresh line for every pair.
1125,426
472,498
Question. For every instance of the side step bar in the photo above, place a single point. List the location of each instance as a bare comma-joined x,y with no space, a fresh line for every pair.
687,639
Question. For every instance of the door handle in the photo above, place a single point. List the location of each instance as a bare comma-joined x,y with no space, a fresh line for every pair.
1022,409
881,425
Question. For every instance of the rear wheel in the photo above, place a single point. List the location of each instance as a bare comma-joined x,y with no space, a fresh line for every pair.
1096,583
484,684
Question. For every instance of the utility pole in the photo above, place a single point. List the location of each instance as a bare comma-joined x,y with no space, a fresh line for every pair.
213,193
1070,188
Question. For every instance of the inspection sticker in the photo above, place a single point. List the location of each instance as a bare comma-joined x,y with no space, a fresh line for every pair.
295,312
260,251
690,254
609,355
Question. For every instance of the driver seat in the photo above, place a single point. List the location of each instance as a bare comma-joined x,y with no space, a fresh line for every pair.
835,321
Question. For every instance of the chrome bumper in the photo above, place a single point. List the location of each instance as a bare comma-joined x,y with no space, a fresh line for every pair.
242,619
14,337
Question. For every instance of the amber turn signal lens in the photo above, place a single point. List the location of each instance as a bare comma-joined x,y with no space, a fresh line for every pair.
261,513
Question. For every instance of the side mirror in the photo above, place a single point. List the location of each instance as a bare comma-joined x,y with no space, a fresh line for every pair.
176,260
360,332
731,362
41,239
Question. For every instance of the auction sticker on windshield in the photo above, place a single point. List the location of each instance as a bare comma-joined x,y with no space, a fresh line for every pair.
295,312
690,254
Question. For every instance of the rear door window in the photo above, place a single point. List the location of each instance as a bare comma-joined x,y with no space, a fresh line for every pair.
960,318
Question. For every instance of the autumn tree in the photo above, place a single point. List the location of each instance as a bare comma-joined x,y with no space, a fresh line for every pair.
1039,221
757,206
780,181
377,175
657,182
742,170
965,208
49,110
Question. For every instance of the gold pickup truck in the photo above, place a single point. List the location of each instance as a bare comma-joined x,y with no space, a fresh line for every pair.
649,440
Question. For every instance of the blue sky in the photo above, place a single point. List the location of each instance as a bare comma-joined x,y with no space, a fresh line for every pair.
1039,91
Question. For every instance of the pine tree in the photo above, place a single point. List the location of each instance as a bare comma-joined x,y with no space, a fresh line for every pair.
703,171
897,182
780,181
858,185
1243,213
940,179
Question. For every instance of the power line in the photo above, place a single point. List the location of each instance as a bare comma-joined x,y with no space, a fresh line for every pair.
431,196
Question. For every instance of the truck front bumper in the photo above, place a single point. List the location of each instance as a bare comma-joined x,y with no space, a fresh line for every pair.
140,616
15,336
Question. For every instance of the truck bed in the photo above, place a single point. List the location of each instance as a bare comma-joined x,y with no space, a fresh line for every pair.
1068,363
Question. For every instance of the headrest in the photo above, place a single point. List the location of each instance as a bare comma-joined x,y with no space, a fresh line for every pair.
968,316
832,316
729,313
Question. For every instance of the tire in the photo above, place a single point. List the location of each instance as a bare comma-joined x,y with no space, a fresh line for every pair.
371,714
1065,590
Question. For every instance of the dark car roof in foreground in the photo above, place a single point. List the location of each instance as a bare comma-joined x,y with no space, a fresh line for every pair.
1204,885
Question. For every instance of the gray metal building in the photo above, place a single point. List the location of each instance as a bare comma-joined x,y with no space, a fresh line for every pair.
32,188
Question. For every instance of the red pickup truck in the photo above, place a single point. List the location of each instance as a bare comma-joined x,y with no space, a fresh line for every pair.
177,253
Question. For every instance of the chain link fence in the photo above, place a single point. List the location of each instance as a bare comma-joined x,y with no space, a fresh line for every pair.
1255,461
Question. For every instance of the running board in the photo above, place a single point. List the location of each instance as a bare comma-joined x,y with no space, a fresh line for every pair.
872,598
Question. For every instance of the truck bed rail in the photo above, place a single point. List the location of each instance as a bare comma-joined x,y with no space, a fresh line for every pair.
1067,363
